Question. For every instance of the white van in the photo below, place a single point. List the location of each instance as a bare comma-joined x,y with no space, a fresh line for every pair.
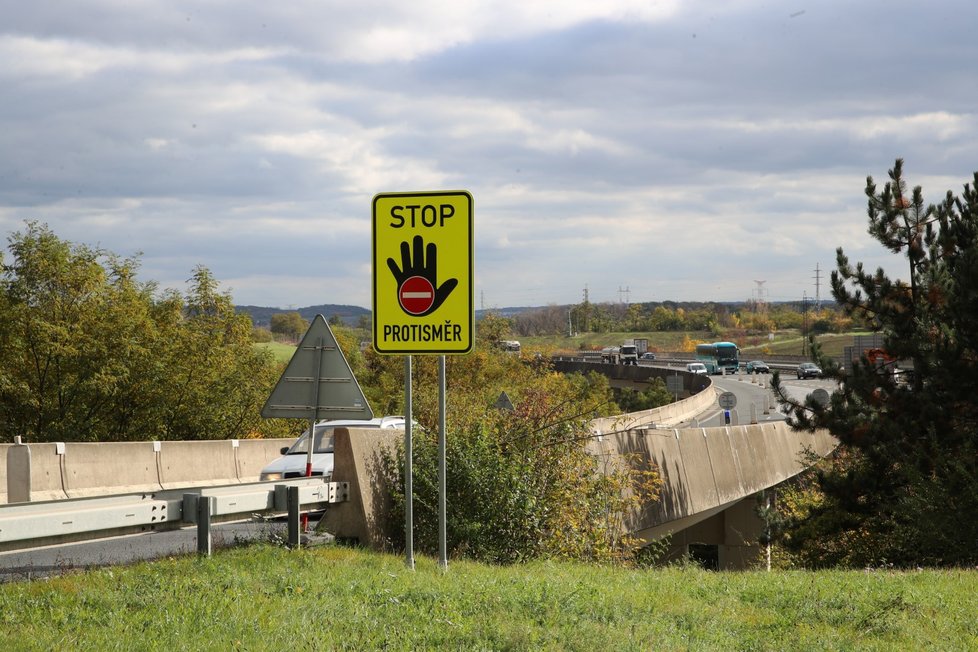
696,368
292,464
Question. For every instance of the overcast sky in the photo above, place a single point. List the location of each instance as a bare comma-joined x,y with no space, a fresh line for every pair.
645,150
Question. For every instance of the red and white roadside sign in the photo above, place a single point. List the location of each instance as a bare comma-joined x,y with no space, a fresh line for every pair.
416,295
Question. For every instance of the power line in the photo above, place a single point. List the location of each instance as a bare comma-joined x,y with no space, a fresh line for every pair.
760,297
818,287
625,292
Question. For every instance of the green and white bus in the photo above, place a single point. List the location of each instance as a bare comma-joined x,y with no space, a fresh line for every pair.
719,357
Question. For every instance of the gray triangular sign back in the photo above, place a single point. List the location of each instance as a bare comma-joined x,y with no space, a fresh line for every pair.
503,402
318,382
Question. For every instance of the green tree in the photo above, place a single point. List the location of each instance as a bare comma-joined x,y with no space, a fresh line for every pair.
88,353
520,482
653,396
667,319
288,324
903,487
216,381
73,339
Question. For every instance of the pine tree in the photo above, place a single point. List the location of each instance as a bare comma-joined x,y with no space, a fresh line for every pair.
903,487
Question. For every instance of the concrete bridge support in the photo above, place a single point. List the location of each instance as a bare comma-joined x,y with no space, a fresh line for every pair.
710,476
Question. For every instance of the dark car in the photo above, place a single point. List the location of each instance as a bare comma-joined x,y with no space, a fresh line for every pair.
808,370
758,367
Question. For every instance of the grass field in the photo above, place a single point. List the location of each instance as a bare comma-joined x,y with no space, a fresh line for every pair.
335,598
832,344
282,352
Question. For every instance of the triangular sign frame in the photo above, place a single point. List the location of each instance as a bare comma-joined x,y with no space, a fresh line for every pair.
318,382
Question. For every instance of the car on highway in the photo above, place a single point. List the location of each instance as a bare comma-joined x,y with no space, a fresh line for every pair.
648,356
292,464
757,367
696,368
808,370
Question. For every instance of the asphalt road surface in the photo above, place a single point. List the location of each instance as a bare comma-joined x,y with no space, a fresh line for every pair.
754,398
60,559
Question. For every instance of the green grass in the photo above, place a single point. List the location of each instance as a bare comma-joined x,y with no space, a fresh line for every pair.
282,352
833,344
334,598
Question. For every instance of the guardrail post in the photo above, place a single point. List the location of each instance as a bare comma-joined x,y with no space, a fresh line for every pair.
206,505
292,499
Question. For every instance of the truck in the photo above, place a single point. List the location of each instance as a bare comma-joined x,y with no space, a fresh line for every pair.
628,352
610,354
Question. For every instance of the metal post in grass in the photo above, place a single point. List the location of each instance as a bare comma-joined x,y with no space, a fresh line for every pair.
408,469
292,504
206,505
442,511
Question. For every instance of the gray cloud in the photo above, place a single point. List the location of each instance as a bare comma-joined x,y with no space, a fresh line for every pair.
682,150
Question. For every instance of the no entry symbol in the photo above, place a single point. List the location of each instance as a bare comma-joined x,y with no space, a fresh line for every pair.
416,295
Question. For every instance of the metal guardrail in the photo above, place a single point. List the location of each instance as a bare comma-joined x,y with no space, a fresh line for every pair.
26,525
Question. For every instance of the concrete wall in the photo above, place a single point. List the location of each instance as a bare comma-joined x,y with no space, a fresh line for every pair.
665,415
708,470
3,473
357,459
735,532
633,375
53,471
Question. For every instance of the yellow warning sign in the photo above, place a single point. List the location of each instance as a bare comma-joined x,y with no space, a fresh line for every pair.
422,272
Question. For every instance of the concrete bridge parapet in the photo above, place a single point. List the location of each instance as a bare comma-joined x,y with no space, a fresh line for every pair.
709,475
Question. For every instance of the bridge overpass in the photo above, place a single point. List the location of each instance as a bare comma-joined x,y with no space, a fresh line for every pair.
711,475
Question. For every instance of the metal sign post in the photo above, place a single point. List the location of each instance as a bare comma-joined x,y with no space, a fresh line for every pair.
408,469
442,511
422,304
315,401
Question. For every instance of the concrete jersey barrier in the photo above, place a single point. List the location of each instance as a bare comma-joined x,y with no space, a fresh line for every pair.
357,459
55,471
3,472
706,470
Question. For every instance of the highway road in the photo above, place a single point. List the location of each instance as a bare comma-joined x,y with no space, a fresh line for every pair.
51,561
755,391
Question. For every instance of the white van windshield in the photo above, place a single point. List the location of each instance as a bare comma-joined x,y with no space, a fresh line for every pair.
323,443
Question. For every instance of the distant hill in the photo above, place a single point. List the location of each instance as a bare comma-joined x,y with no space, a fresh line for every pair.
504,312
262,316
